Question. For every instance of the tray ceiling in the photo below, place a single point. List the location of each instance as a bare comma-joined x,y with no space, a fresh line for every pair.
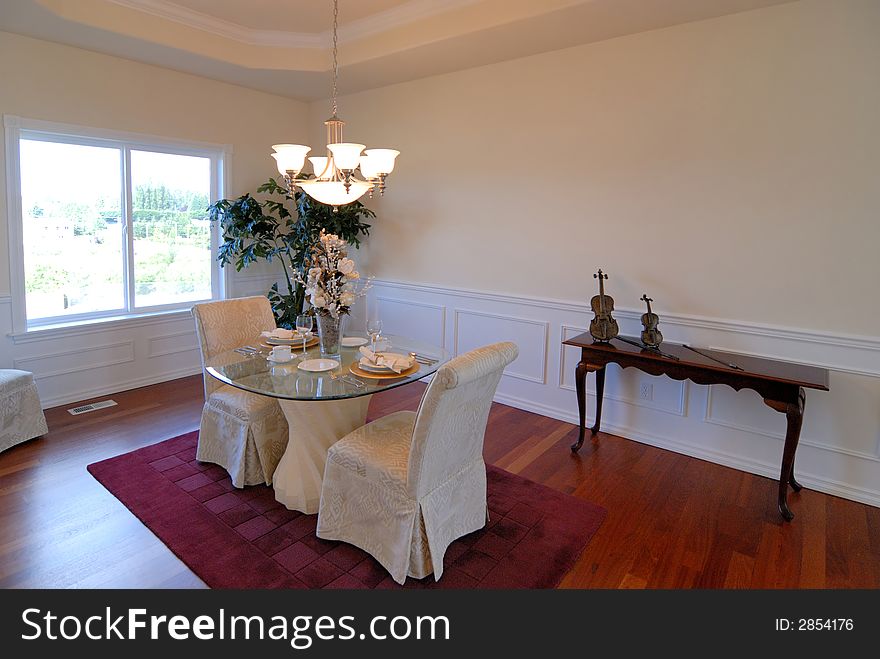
282,46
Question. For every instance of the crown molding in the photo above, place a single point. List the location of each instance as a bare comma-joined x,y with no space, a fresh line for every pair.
221,28
402,15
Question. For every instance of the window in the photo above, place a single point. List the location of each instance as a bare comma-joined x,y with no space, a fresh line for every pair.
110,226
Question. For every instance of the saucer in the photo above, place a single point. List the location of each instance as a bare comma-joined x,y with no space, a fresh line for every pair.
354,341
280,361
318,365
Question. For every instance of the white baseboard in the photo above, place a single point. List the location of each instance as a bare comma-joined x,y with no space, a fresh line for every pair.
115,387
809,481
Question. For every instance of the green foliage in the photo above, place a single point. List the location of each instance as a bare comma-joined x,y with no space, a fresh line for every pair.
167,215
254,231
79,258
286,306
48,276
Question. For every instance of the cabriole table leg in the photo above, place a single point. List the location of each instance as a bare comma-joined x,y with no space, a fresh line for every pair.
794,415
600,395
580,376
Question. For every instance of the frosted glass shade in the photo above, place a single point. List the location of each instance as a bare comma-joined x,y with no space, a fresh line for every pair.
368,167
381,160
346,155
319,164
333,192
290,157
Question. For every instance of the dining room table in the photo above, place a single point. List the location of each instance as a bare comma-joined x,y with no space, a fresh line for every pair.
321,406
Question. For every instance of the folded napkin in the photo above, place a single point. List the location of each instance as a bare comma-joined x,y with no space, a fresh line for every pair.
279,333
395,362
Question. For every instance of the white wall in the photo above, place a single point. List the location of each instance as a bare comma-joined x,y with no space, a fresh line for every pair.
730,168
47,81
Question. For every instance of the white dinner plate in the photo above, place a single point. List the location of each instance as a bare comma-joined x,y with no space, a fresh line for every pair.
364,364
354,341
374,369
318,365
295,341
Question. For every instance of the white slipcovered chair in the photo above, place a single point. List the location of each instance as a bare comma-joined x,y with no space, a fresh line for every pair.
242,432
404,486
21,415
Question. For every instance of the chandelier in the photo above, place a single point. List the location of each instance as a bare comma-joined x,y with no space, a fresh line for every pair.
335,182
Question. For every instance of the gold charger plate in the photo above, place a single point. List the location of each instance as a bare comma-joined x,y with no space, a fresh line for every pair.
361,373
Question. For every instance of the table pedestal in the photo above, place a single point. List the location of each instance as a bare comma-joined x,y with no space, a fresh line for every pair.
314,427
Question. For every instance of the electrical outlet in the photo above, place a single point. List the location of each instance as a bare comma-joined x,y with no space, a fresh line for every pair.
646,391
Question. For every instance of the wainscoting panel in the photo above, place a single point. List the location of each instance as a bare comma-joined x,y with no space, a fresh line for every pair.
173,343
840,446
624,385
423,321
473,329
75,363
828,418
79,362
64,362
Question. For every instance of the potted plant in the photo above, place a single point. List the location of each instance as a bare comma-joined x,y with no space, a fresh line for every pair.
255,230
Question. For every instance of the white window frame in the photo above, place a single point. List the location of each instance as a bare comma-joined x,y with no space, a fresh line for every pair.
17,128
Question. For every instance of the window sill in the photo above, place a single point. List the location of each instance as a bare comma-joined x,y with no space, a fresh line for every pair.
91,326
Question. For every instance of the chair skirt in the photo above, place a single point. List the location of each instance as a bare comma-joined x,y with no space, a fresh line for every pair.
21,414
244,433
371,508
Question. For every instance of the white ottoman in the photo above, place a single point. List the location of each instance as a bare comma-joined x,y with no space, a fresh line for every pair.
21,415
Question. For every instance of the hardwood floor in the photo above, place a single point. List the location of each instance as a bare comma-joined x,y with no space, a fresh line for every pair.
673,521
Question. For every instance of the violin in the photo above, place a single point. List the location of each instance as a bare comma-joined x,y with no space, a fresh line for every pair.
603,327
651,336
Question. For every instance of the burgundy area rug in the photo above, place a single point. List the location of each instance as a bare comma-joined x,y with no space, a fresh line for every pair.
245,539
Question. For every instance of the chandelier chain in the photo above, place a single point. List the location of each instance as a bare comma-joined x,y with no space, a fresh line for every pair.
334,105
337,184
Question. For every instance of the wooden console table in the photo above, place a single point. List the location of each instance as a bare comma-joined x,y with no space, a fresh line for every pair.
780,384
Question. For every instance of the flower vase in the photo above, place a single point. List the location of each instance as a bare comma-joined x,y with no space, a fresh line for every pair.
329,335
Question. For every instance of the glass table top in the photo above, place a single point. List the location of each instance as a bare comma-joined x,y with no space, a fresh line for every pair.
256,374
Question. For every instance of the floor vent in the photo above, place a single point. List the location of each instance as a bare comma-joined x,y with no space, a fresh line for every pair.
91,407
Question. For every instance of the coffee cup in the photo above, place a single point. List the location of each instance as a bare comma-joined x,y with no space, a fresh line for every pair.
281,354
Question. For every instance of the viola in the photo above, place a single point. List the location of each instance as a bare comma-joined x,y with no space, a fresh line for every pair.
603,327
651,336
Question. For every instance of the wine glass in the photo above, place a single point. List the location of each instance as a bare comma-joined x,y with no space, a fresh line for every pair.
303,327
374,329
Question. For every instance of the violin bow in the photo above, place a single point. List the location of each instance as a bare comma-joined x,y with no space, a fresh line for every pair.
648,348
735,367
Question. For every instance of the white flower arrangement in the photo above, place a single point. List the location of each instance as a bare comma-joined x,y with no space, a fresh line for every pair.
331,277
